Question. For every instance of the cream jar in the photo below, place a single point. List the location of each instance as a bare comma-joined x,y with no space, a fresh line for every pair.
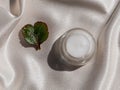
75,47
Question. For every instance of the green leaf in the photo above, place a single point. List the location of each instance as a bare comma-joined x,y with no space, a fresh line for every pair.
28,33
36,34
41,31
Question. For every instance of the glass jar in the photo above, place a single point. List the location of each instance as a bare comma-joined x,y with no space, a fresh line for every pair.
75,47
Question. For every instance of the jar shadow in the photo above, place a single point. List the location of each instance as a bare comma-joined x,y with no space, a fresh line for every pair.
57,63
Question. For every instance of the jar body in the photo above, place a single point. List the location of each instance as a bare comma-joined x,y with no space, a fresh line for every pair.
75,47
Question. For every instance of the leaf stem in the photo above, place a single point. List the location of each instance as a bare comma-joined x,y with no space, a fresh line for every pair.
38,47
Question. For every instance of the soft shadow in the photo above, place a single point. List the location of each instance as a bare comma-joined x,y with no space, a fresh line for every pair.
15,7
23,42
57,64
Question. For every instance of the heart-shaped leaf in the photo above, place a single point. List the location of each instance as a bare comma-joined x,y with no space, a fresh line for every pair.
36,34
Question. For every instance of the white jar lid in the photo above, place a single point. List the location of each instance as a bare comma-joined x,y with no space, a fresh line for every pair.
78,46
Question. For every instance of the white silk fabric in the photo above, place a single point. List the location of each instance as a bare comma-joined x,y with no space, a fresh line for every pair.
24,68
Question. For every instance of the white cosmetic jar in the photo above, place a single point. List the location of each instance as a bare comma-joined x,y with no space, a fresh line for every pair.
75,47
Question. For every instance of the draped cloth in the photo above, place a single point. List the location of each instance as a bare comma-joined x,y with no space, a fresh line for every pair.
24,68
